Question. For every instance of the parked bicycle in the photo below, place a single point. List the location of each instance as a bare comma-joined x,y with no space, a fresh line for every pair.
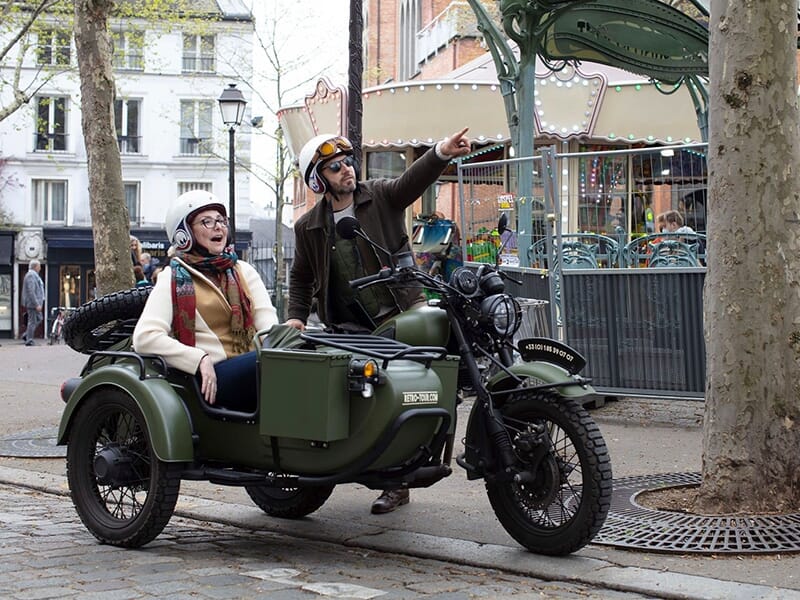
58,315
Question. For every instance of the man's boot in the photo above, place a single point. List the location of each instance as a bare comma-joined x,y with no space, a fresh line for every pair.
390,500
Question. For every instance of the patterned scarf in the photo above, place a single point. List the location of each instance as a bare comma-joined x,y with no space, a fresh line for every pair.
184,303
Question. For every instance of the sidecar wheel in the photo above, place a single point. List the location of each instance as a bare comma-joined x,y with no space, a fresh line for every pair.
289,503
103,322
123,494
563,504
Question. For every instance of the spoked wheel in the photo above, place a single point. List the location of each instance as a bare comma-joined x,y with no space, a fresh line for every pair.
289,503
123,494
558,502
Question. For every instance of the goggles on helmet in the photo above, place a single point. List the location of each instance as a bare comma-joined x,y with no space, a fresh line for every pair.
331,147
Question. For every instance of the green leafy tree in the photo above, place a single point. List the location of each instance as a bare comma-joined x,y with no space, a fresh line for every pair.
20,22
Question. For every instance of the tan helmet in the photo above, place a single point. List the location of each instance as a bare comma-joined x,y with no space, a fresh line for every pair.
178,230
317,150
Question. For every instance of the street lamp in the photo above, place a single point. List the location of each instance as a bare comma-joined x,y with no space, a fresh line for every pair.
232,105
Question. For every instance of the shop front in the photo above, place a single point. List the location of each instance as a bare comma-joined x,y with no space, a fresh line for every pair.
6,283
70,279
70,262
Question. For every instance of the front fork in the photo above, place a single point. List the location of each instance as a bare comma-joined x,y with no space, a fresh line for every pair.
494,437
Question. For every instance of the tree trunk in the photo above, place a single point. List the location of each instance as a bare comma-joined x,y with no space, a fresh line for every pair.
113,266
751,461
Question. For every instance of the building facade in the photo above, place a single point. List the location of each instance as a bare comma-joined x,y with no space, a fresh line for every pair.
429,72
169,76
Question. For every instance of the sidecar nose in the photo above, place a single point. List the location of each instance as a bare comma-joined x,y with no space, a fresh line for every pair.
68,387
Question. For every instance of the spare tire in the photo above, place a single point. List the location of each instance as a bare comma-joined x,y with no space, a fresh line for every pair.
101,323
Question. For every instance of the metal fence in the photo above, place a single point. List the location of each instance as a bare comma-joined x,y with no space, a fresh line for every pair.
588,238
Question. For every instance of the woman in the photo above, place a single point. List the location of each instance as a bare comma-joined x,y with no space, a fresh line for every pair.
207,305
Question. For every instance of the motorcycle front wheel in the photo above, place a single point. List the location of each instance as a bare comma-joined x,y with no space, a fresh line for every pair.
559,502
123,494
289,503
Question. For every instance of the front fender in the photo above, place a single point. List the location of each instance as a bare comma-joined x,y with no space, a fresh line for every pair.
167,420
545,373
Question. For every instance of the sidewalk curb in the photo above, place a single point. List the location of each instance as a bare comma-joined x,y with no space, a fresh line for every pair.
587,571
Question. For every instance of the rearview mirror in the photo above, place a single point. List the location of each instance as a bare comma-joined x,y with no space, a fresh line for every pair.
347,227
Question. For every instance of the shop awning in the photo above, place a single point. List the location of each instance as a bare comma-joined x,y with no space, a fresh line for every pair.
591,102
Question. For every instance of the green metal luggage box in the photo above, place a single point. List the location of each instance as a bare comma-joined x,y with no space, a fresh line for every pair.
304,394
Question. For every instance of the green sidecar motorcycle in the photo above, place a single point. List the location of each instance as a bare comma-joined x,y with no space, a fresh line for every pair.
378,410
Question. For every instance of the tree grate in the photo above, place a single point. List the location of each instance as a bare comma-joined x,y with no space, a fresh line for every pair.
630,525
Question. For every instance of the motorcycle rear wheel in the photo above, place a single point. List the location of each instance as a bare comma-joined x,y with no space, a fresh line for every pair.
129,505
568,497
289,503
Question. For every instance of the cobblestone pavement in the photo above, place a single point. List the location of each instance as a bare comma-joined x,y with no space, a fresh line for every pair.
46,553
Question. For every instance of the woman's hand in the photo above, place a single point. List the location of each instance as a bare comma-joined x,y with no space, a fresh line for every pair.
208,380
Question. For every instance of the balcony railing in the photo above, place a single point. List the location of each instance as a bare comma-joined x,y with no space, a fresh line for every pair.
195,146
198,64
129,144
131,61
455,20
50,142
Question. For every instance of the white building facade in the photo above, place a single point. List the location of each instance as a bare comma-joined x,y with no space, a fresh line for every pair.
170,134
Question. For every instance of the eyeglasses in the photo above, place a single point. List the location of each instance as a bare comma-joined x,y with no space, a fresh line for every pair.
331,147
336,165
210,223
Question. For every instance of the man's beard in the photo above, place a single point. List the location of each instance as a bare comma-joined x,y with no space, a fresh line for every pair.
343,188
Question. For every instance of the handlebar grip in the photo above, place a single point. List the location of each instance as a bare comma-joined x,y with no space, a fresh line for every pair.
361,281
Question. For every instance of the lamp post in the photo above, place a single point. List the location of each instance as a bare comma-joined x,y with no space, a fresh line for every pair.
232,105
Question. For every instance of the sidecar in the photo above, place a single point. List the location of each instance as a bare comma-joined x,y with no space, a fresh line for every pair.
339,409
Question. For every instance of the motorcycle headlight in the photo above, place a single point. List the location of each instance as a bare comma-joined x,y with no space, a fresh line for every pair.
502,314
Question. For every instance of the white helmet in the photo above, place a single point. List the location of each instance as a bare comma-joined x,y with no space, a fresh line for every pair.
178,230
318,149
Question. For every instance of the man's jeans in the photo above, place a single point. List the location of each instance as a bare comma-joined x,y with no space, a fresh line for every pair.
34,318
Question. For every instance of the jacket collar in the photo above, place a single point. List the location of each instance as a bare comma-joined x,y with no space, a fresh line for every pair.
318,216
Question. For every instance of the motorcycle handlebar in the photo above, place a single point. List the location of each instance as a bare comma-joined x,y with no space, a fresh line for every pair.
384,273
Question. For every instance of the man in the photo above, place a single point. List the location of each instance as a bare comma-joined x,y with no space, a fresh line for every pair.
148,264
324,263
33,299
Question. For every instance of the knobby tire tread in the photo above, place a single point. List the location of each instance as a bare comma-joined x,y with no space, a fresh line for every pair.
582,528
81,328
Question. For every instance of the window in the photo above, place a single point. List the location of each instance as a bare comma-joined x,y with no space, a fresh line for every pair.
51,123
132,201
53,48
69,286
49,201
188,186
128,50
385,164
126,121
198,53
196,119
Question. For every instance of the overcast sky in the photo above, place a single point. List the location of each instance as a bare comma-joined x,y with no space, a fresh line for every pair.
312,32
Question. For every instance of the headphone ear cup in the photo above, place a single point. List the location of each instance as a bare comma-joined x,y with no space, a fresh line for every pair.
182,238
316,183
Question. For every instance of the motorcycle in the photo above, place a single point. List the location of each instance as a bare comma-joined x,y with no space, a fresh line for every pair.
378,410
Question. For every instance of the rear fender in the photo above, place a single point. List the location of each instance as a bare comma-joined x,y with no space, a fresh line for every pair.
543,373
167,419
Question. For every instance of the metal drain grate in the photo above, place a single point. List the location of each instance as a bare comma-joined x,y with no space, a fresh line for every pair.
630,525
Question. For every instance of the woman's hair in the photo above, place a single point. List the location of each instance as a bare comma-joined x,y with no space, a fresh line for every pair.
138,272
